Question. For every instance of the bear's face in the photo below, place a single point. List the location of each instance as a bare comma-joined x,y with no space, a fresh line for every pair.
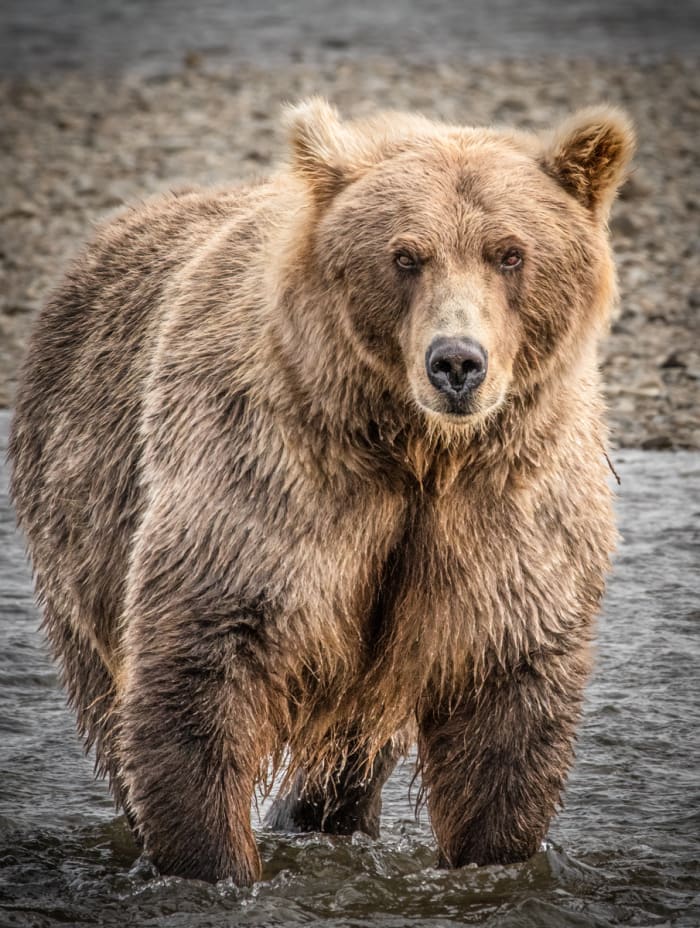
470,262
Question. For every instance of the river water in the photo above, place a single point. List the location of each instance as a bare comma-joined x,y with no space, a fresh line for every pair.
624,851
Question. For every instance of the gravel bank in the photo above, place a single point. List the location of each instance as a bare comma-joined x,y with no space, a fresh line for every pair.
74,147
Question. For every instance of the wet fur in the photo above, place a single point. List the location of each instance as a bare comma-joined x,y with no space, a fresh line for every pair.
251,541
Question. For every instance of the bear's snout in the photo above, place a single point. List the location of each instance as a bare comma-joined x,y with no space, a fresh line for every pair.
456,367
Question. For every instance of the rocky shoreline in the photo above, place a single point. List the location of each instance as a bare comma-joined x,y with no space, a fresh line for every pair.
75,147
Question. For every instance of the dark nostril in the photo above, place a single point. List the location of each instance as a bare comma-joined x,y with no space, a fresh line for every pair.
456,365
469,365
441,365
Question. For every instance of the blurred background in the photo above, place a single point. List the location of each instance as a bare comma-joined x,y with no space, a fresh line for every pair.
104,102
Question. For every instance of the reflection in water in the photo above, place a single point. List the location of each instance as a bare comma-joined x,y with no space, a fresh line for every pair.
624,849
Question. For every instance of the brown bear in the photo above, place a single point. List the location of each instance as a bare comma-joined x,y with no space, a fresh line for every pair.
310,464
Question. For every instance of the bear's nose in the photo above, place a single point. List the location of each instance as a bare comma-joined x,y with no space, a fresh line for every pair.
456,365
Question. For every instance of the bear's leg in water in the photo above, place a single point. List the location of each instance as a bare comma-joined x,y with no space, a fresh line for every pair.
495,765
90,688
351,801
199,714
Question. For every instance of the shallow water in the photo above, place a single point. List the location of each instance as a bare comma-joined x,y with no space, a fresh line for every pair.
623,851
155,36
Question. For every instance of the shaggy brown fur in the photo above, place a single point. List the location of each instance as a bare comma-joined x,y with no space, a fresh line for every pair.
256,525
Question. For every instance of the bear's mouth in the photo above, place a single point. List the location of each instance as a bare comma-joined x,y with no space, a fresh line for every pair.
458,405
456,409
462,409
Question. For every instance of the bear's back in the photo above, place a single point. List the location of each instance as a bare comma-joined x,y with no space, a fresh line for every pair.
75,440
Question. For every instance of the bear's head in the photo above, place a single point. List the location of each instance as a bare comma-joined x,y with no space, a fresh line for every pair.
470,264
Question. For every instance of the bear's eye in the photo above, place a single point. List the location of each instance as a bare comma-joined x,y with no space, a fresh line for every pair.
406,261
511,260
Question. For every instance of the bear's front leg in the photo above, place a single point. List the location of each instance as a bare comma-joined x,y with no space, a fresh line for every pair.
195,726
494,766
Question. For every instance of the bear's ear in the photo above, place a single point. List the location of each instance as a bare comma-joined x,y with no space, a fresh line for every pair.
589,155
325,152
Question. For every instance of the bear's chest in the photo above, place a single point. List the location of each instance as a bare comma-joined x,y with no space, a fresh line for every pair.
466,572
444,549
